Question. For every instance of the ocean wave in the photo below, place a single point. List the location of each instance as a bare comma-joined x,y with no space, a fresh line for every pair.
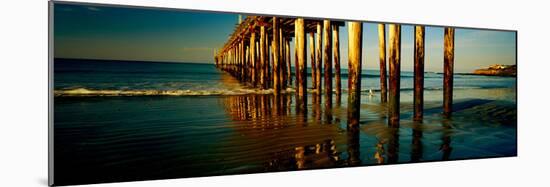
94,92
209,92
346,75
429,88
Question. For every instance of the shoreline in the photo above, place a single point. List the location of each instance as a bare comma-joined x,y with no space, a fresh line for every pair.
85,92
487,75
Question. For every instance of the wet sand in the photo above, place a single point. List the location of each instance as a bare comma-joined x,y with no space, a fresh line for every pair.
157,137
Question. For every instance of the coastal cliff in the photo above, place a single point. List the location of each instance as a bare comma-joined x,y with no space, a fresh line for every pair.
498,70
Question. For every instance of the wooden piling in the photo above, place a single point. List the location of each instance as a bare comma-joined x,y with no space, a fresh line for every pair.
355,44
395,74
336,51
448,68
239,61
258,68
262,58
301,60
247,63
318,63
301,54
418,73
382,49
268,66
296,70
288,63
282,63
237,65
231,61
253,55
243,62
276,68
327,59
312,56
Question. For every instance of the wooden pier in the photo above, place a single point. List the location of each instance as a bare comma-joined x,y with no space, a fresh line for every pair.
258,54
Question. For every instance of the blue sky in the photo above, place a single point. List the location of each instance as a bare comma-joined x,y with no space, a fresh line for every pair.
98,32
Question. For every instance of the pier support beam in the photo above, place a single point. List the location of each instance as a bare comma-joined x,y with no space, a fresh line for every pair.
448,68
296,74
263,62
395,74
312,56
355,44
336,51
318,67
301,56
327,59
282,59
247,63
382,55
301,59
267,68
276,67
288,61
253,55
239,61
418,72
243,62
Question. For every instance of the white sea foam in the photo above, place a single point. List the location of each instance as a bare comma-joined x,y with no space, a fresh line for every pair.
94,92
196,92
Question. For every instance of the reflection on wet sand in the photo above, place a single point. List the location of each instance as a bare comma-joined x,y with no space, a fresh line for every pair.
445,147
416,150
354,157
316,107
301,143
387,144
214,135
321,155
302,138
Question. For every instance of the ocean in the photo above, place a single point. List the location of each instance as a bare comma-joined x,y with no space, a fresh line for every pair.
128,120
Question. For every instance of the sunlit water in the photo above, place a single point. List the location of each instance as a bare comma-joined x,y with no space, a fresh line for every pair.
229,128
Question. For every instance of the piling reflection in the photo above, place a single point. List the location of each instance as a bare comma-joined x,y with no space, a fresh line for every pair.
416,144
353,145
319,155
328,109
262,118
380,152
257,107
393,145
298,141
316,107
386,147
301,105
338,100
301,110
445,147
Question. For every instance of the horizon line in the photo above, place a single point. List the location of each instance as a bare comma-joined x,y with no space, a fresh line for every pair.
181,62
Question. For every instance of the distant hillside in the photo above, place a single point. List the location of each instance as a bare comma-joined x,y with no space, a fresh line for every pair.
498,70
